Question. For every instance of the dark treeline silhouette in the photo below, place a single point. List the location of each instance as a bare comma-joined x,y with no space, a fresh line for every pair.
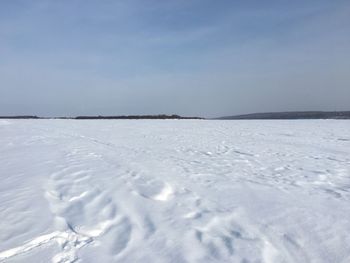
293,115
20,117
122,117
134,117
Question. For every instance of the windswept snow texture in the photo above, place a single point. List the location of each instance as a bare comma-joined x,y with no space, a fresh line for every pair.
174,191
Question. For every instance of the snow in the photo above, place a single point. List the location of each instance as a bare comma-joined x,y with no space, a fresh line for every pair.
174,191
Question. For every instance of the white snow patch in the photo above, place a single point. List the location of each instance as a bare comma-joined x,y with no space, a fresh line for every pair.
174,191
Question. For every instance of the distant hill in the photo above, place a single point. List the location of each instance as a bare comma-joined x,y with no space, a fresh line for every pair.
293,115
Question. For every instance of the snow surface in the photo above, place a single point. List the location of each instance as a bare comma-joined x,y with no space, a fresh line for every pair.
174,191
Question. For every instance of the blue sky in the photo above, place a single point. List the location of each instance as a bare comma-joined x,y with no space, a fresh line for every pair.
194,57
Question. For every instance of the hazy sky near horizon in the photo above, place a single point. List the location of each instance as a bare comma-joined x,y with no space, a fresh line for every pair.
189,57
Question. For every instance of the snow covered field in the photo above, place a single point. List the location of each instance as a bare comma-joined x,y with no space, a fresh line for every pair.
174,191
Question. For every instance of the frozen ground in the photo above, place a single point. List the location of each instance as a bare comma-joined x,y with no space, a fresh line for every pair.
174,191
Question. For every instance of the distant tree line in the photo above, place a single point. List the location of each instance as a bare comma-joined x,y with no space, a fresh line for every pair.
20,117
134,117
291,115
121,117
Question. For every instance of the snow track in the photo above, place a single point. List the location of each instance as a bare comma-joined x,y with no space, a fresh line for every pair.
174,191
